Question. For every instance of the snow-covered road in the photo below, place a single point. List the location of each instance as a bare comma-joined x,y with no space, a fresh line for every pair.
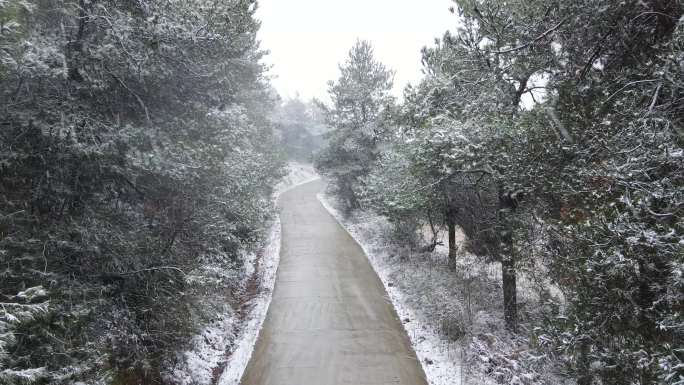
330,320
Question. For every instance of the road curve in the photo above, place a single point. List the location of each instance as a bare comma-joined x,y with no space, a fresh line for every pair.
330,321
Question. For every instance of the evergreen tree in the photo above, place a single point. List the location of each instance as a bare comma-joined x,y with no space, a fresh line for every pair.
296,127
556,128
361,102
135,152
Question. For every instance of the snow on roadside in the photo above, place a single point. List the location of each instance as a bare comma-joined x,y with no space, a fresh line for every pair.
455,318
208,351
441,359
225,346
298,174
239,358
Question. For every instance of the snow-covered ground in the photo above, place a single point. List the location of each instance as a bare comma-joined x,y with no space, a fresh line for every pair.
244,343
453,318
220,353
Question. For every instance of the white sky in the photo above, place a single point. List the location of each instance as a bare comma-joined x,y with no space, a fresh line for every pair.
309,38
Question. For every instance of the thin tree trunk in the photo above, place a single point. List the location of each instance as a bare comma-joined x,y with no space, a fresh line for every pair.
507,204
584,376
452,242
509,292
433,242
348,193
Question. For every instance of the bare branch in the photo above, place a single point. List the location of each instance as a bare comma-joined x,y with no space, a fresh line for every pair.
540,37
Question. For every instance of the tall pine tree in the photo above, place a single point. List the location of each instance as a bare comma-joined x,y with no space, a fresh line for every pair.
361,102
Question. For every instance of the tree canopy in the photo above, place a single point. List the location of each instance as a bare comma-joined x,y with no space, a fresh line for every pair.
551,132
361,100
137,162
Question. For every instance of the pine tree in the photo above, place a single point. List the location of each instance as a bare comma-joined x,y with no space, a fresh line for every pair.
135,151
361,101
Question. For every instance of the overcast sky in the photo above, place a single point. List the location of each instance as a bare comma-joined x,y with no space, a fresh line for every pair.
309,38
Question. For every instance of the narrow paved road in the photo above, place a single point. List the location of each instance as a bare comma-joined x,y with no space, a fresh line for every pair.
330,321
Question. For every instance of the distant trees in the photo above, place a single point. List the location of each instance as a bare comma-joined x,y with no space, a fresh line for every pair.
360,102
552,131
135,152
300,131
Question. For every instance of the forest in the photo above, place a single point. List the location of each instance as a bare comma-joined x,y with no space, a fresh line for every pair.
142,145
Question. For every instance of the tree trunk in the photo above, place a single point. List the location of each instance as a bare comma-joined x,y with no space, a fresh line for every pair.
349,195
508,204
509,292
584,375
435,233
452,242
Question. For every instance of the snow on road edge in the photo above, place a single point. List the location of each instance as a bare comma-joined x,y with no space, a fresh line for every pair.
299,174
439,366
245,342
226,343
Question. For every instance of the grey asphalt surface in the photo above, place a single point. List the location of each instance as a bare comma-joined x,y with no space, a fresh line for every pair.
330,321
